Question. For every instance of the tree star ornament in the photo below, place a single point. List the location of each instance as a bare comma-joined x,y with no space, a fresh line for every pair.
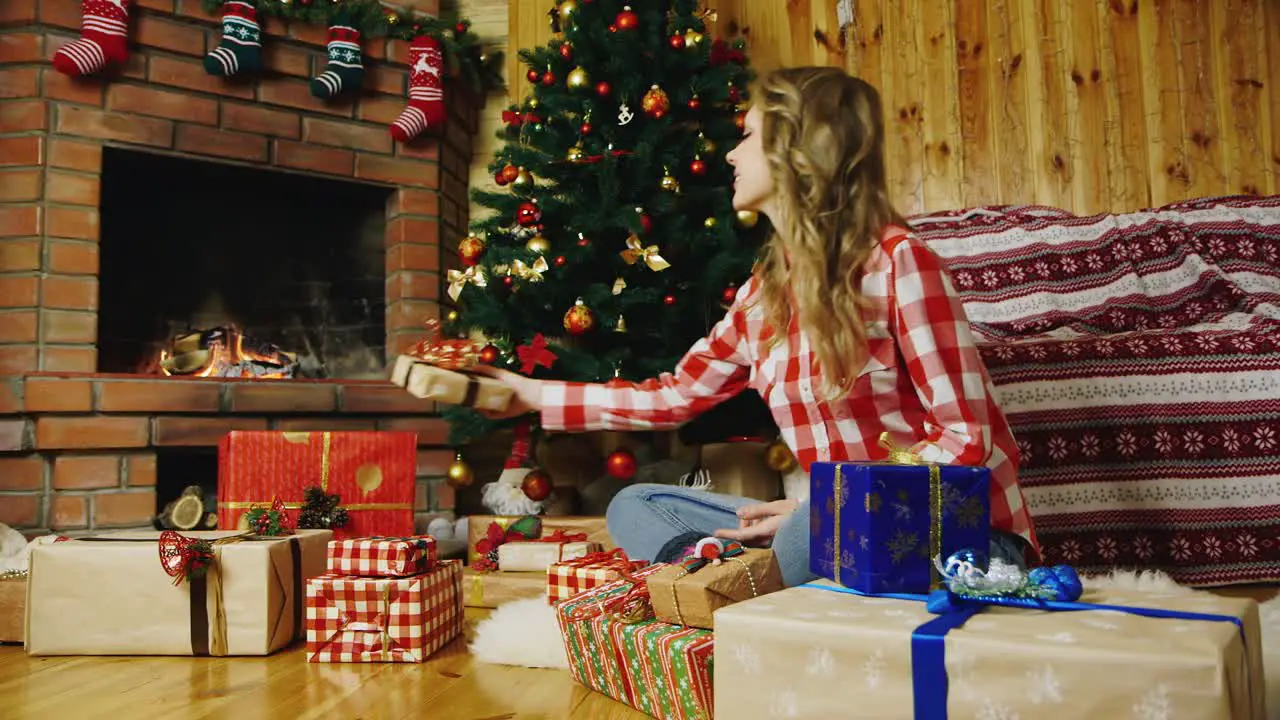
459,279
535,353
650,255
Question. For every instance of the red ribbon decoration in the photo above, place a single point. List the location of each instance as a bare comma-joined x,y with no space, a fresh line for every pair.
515,119
631,603
520,446
561,536
183,557
615,559
535,353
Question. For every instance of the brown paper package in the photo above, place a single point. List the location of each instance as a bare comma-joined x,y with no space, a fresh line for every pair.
813,653
13,603
456,388
110,596
491,589
699,594
594,526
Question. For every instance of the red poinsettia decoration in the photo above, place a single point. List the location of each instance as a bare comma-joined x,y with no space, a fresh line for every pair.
534,354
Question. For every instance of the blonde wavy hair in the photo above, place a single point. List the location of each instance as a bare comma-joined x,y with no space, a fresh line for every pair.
823,137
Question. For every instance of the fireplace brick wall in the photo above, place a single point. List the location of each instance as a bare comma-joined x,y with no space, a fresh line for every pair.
78,449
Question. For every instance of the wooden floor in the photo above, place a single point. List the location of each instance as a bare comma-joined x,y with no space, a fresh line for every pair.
286,687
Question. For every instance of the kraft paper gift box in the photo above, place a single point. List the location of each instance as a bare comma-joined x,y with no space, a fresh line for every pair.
690,597
814,653
538,555
491,589
13,604
384,619
382,557
570,577
373,473
452,387
877,527
659,669
109,595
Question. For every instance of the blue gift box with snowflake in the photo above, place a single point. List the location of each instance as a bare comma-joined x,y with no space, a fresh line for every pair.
877,527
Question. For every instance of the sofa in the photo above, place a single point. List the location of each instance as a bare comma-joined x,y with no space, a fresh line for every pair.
1137,357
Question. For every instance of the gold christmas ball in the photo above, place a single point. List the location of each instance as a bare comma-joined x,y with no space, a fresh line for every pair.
577,79
459,474
709,223
568,8
705,145
669,183
778,457
524,179
532,103
692,37
748,218
452,316
576,154
538,244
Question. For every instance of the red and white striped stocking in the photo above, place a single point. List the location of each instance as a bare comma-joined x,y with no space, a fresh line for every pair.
103,29
426,90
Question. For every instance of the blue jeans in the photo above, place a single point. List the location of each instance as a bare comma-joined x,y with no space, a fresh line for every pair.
643,517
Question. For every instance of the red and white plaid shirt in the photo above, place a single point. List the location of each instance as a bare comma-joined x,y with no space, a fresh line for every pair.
923,383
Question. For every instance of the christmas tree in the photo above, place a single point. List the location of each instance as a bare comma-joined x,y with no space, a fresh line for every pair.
613,245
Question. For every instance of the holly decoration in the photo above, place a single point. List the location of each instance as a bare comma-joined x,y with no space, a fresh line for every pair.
626,20
271,521
536,485
621,464
320,511
184,558
579,319
528,214
655,103
470,250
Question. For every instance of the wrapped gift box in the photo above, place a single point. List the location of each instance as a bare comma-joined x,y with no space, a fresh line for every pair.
109,595
452,387
595,528
690,598
372,472
385,619
809,652
491,589
568,578
13,604
382,557
662,670
538,555
872,525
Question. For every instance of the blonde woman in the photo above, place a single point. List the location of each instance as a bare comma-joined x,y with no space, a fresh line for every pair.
849,327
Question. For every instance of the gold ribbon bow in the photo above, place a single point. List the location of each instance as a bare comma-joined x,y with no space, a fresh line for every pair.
459,278
532,273
650,255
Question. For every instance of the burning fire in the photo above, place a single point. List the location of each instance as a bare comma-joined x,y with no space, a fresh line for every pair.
225,352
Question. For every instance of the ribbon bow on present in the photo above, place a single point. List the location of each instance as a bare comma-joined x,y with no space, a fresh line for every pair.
615,559
650,255
184,558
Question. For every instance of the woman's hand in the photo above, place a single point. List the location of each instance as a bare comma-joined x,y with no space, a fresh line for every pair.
528,392
757,524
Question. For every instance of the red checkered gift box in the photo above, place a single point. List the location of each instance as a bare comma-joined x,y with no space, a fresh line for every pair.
570,577
401,619
382,557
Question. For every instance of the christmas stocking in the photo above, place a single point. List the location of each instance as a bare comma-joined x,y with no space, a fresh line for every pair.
241,46
426,90
102,38
345,69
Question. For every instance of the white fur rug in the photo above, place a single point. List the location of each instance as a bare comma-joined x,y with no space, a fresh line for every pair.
525,632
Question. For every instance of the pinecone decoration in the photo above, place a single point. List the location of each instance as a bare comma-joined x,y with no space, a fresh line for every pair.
321,511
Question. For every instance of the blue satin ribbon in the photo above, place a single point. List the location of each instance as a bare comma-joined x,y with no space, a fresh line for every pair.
928,641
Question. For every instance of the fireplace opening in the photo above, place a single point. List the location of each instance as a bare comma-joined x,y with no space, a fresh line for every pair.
213,269
186,489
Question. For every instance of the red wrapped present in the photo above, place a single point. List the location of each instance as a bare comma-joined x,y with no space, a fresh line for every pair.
369,475
382,556
570,577
397,619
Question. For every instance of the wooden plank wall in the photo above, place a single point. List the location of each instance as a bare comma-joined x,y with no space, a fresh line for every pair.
1088,105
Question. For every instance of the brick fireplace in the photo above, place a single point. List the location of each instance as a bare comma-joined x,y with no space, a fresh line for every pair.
103,256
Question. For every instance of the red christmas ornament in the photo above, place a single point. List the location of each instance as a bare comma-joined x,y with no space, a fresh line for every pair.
668,299
560,260
579,320
603,88
655,103
646,224
499,178
613,28
509,174
533,75
460,28
621,464
470,250
548,78
586,128
566,51
729,295
694,103
735,95
698,166
677,41
489,354
528,214
740,120
626,19
508,281
536,485
583,241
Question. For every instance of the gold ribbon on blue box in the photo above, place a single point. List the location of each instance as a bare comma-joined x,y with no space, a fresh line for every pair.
876,527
